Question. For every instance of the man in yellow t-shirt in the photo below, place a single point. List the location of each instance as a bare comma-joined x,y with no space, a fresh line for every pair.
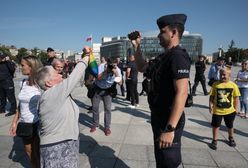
223,103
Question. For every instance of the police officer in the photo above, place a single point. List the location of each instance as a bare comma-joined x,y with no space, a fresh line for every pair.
214,70
200,67
7,89
169,90
51,55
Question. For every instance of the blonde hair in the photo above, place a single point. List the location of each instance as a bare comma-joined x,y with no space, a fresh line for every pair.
226,69
34,63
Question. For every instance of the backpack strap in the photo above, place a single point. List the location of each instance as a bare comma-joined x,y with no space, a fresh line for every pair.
22,83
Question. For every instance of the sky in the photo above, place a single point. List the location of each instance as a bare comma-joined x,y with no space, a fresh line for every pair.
65,24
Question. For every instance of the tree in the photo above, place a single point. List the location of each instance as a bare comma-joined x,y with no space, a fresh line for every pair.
35,51
21,53
5,49
43,57
232,44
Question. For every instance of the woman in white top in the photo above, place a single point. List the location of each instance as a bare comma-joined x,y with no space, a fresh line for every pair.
28,108
242,82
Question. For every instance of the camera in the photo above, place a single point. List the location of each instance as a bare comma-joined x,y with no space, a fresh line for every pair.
111,66
134,35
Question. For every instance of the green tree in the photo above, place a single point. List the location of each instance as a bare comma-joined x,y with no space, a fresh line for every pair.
237,54
5,49
35,51
43,57
21,53
232,44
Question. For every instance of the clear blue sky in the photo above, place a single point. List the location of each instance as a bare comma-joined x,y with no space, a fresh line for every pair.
65,24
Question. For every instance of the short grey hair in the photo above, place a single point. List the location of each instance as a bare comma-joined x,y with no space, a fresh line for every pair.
43,75
55,60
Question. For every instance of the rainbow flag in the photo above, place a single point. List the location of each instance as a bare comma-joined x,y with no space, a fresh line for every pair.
93,67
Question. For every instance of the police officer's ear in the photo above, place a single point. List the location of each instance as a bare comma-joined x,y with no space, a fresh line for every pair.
173,33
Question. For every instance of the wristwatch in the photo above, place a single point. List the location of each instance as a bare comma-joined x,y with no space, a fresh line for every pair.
169,128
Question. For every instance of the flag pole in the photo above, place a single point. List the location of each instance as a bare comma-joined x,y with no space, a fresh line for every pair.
91,41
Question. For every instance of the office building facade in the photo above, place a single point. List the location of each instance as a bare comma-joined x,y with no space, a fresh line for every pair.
121,46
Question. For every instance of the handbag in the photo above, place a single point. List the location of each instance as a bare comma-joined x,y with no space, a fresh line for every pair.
189,101
24,130
211,81
91,91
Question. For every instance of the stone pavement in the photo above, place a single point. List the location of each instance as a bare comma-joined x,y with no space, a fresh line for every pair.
131,144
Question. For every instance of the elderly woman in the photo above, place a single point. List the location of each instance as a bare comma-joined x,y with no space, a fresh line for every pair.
58,65
242,82
27,113
59,145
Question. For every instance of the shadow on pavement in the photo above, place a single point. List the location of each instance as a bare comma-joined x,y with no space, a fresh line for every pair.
196,137
85,120
81,104
223,128
200,106
121,101
17,153
99,156
134,112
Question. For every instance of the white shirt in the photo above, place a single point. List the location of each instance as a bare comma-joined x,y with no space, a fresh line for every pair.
28,100
242,75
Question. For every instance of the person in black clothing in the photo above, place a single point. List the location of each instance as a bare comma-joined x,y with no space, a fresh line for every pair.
200,68
71,65
121,67
169,74
7,88
51,56
132,81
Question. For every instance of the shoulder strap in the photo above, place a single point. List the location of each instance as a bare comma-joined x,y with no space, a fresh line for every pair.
189,87
22,83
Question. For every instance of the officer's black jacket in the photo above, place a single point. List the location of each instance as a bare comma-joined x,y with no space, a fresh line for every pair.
7,69
199,68
164,70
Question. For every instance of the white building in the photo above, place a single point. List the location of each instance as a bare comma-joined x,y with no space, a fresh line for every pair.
96,50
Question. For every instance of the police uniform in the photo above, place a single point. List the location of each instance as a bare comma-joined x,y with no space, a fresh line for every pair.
7,89
167,67
200,67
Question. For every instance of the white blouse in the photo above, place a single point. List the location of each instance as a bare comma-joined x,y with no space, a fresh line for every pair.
242,75
28,99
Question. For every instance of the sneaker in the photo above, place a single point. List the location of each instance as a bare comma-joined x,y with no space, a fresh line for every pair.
9,114
231,142
241,113
107,131
132,106
213,145
89,108
93,129
136,105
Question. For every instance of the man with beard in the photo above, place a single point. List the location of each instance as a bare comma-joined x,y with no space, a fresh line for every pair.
51,55
169,89
200,68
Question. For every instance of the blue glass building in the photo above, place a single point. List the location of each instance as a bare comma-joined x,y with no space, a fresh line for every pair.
121,46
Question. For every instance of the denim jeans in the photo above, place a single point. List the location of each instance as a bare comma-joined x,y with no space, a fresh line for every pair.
243,99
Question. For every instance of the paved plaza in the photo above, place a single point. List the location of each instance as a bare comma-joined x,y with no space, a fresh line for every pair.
131,143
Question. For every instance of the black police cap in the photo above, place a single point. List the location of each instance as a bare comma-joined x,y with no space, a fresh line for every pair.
49,49
2,54
171,20
221,59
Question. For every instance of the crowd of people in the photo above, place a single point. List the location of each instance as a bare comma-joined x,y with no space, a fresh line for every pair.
50,131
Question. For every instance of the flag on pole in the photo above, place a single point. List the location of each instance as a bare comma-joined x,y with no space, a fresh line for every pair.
93,67
89,39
